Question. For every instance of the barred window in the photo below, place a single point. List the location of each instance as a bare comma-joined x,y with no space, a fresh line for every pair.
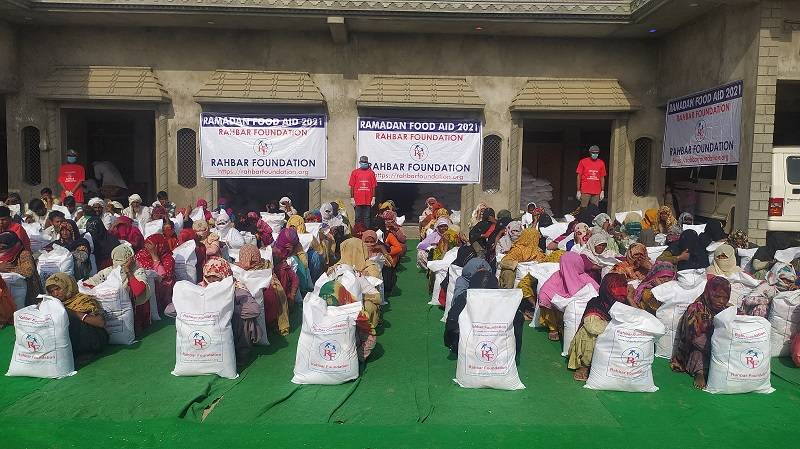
492,154
641,166
187,157
32,155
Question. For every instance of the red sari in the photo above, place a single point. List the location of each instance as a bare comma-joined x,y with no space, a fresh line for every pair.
165,268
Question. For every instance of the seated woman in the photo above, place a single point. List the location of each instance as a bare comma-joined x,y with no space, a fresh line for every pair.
525,249
636,265
168,231
157,257
102,240
210,240
16,259
313,258
692,351
712,234
650,220
483,235
509,235
764,258
595,319
687,253
288,248
780,278
124,229
685,219
598,259
355,254
642,296
70,238
87,332
387,253
566,282
433,240
245,309
666,220
134,279
390,222
426,217
724,263
276,305
476,274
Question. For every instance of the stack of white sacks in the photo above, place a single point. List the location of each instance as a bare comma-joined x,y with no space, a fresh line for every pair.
535,190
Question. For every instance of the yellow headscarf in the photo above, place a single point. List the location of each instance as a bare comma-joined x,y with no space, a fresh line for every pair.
297,222
650,220
669,222
76,301
526,248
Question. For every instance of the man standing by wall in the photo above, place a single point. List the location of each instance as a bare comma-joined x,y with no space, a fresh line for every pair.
362,191
591,179
71,177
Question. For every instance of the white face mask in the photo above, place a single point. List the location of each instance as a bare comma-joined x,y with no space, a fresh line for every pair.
594,156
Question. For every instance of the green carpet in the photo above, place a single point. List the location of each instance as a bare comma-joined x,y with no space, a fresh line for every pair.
405,397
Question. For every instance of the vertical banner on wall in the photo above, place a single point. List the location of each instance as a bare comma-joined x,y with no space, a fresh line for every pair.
446,151
263,146
704,128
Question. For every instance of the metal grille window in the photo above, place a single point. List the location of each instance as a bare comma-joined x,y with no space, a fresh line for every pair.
187,157
492,154
641,166
32,155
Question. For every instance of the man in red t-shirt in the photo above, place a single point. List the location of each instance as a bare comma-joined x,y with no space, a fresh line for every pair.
362,191
71,177
591,178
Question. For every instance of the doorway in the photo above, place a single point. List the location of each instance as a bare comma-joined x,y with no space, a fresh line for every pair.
410,197
3,150
551,150
126,138
253,194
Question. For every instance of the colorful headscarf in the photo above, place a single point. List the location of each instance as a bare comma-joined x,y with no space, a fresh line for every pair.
650,220
581,233
215,266
526,248
567,281
287,242
75,301
780,275
11,247
739,239
158,241
249,257
613,289
659,270
297,222
124,229
186,235
724,261
667,222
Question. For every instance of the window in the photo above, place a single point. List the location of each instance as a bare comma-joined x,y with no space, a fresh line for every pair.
729,172
642,150
187,157
793,170
32,156
492,154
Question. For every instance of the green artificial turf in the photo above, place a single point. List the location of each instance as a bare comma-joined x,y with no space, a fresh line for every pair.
405,397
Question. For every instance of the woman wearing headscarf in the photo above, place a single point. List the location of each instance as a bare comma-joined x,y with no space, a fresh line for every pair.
102,240
156,256
288,248
429,216
276,305
71,239
642,296
287,277
482,236
780,278
203,205
596,256
525,249
430,242
14,258
650,219
712,234
134,279
580,237
636,265
764,258
199,250
245,309
632,228
692,351
286,207
210,240
595,319
356,255
297,222
168,231
665,220
566,282
391,250
87,332
470,278
124,229
685,219
531,215
504,218
390,220
511,234
477,214
724,263
739,240
687,253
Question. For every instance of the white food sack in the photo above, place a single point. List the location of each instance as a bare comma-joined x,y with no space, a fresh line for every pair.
204,336
623,355
653,252
18,286
454,272
63,210
745,256
699,228
305,241
58,260
185,261
256,281
177,223
784,320
152,227
275,221
313,228
42,347
675,297
439,267
197,214
402,219
326,349
152,279
739,354
117,308
554,230
787,255
486,347
573,308
266,253
37,237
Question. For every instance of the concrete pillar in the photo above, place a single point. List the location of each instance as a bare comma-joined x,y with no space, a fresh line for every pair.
619,188
514,163
162,148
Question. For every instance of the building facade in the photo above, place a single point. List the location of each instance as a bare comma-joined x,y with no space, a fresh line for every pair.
127,80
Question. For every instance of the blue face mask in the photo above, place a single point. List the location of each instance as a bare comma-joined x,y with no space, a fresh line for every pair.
594,156
72,159
363,165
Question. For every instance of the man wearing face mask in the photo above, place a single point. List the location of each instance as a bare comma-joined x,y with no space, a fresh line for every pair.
591,179
71,177
362,191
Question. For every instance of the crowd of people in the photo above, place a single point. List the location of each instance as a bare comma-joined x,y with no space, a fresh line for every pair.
623,258
139,240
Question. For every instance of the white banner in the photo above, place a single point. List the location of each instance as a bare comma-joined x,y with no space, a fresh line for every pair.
704,128
263,146
446,151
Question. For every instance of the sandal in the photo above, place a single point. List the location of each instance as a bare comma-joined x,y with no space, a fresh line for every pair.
581,374
554,336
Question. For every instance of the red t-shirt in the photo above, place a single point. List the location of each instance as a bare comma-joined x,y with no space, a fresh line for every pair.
70,176
591,171
363,183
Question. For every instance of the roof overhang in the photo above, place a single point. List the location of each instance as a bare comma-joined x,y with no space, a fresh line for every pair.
104,83
573,95
260,87
420,92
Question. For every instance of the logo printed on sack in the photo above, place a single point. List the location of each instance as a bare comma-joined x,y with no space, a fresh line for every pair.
631,357
33,342
486,351
329,350
199,340
752,358
418,151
